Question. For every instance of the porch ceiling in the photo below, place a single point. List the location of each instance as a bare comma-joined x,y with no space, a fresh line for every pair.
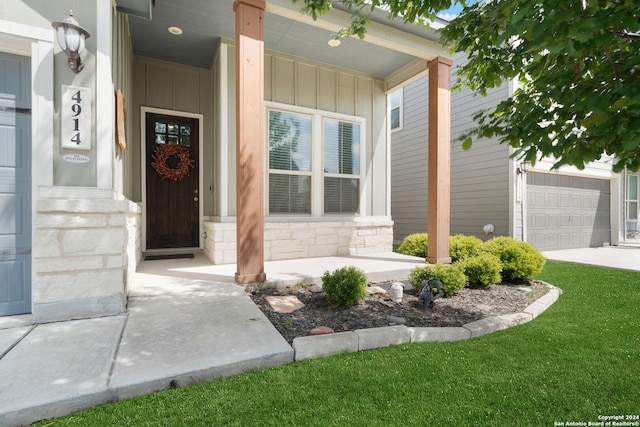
388,47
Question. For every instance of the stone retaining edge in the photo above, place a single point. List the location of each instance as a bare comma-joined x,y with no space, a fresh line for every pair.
314,346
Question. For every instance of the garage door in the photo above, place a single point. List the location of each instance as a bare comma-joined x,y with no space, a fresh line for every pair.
566,212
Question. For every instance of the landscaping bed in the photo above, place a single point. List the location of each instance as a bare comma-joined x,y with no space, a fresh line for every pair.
377,309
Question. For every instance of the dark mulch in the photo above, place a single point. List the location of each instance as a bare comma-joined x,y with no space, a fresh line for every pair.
377,310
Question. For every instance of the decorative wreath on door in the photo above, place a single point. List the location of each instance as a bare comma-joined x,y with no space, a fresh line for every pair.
162,153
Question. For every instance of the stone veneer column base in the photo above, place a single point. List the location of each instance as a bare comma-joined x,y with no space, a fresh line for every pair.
305,239
85,252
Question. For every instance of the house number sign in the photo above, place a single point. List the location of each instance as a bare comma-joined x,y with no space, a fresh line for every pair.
75,118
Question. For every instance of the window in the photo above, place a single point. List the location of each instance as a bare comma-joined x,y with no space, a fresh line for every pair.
341,166
395,102
314,162
289,163
632,197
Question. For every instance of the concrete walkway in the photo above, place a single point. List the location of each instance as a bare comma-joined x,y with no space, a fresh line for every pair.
623,257
186,323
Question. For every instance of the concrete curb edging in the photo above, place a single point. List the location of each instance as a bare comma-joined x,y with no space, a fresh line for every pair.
368,339
314,346
544,302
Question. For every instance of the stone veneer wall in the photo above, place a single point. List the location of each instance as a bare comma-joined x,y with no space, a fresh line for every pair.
310,239
85,252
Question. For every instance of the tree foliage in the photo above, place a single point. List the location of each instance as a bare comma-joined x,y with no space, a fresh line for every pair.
421,11
283,141
575,65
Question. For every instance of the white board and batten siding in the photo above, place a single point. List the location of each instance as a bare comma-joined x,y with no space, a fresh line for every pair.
300,85
176,87
303,83
295,82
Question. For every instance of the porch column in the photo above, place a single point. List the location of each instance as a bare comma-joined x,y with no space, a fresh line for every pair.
249,140
439,160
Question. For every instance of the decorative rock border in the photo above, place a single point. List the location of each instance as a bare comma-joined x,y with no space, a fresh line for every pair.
311,347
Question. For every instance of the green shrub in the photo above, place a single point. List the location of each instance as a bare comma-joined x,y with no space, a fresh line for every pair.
345,286
415,245
481,270
451,276
461,246
519,260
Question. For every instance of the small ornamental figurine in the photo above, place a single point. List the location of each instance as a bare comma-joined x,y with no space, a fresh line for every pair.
162,153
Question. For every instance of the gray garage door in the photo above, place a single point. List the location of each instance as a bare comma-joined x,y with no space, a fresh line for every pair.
566,212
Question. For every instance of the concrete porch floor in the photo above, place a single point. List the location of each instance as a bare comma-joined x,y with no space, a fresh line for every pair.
379,267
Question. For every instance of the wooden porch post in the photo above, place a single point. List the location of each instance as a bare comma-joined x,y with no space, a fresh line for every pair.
250,140
438,224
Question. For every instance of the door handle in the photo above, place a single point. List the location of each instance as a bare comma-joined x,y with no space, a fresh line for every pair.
195,199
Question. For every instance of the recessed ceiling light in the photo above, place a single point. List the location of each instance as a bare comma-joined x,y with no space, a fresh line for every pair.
334,42
175,31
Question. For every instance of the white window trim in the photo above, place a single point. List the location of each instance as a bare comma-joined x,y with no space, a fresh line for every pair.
317,159
268,171
627,199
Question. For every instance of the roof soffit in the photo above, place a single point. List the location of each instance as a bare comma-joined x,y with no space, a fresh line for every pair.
387,47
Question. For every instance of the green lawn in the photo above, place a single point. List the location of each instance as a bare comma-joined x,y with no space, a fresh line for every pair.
578,360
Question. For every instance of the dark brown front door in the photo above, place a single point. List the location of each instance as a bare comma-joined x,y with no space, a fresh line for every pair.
172,202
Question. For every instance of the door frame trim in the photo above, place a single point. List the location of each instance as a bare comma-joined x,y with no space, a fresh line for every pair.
143,167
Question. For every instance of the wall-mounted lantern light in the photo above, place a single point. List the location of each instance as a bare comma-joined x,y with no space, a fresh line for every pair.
71,38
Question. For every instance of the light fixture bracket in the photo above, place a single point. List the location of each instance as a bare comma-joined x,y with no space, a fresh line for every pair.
522,168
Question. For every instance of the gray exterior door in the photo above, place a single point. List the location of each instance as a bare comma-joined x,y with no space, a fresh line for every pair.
15,185
565,212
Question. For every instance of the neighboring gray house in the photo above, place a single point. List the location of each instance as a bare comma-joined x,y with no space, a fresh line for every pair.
565,208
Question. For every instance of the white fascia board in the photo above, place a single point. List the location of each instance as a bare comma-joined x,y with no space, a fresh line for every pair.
378,34
411,72
600,169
